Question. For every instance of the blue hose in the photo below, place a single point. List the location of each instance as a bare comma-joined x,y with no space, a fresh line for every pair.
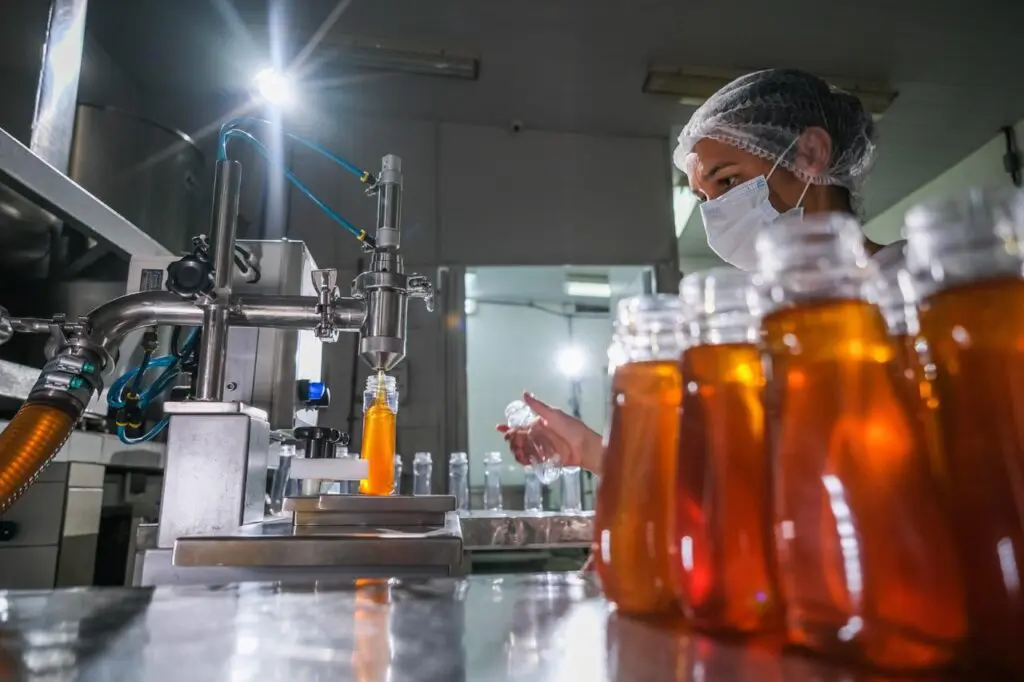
171,365
301,186
222,146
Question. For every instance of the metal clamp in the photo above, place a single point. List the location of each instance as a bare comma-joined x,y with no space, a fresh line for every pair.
326,283
420,286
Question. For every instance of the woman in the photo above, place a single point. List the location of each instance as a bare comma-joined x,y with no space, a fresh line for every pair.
770,143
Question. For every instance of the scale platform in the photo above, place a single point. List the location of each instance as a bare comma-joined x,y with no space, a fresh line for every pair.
332,536
370,510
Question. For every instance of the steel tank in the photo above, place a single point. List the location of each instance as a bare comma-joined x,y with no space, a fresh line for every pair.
151,174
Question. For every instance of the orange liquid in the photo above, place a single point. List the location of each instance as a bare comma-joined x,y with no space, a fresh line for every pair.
723,522
371,650
378,448
635,554
976,337
867,562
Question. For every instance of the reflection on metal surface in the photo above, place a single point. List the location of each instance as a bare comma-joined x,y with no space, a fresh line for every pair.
54,121
526,530
278,544
16,380
537,628
31,177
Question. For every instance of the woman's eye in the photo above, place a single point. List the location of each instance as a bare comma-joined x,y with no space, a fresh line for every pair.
727,182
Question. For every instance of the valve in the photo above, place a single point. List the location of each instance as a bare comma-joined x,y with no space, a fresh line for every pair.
421,287
326,283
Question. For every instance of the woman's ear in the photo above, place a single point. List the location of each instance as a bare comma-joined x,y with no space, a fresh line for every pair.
813,152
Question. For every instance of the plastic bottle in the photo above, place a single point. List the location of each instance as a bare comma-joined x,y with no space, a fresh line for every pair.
965,258
422,467
458,479
546,463
634,552
723,523
380,405
397,490
533,493
867,564
572,501
492,481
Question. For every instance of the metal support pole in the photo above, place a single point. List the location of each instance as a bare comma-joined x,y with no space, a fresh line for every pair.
223,225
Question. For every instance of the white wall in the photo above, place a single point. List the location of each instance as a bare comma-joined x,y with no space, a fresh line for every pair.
512,349
983,168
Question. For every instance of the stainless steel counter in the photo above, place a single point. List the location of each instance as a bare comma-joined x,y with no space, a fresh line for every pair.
539,628
482,530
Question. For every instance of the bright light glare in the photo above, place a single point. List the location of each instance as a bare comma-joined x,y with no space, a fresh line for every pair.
581,289
273,86
572,360
471,306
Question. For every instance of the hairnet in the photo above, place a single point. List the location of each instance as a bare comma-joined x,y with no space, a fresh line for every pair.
766,111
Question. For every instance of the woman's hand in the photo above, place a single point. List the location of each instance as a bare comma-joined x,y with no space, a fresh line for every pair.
555,432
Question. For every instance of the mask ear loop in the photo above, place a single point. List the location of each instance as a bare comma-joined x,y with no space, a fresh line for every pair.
778,161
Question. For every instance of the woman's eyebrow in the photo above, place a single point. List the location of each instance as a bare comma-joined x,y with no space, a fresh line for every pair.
717,167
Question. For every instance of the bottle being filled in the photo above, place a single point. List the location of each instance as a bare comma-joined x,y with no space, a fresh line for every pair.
965,258
727,575
867,563
634,552
380,407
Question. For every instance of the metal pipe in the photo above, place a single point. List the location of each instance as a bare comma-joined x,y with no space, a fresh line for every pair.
113,320
227,186
213,354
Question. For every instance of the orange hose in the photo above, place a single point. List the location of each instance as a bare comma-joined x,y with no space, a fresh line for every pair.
33,437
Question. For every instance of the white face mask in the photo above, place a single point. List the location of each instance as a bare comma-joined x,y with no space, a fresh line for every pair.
733,220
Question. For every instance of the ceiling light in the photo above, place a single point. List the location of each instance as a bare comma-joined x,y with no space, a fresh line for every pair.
471,306
694,85
572,360
588,287
273,87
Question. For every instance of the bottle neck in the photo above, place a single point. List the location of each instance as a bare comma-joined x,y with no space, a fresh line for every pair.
811,259
976,236
649,327
720,306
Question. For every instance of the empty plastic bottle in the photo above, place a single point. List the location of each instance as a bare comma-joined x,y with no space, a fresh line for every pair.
546,463
398,476
422,466
458,479
492,481
572,500
533,494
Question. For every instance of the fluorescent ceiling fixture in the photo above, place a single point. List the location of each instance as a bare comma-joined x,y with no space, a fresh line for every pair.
588,287
413,57
684,201
273,87
693,85
572,361
472,305
470,284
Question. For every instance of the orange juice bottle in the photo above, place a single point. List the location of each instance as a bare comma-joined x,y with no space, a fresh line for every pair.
633,545
867,561
726,568
966,258
380,407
